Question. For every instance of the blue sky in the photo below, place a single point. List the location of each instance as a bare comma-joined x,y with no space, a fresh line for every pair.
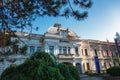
103,21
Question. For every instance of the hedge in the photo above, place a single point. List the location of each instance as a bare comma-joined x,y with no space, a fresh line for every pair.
114,71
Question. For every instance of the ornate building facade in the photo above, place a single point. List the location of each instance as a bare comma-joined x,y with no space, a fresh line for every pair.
69,48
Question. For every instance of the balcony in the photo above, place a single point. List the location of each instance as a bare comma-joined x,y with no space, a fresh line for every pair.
67,56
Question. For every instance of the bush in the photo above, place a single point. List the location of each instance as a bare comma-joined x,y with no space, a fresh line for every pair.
88,72
114,71
40,66
64,70
49,59
69,72
74,72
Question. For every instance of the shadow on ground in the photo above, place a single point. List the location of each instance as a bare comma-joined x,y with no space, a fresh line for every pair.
100,77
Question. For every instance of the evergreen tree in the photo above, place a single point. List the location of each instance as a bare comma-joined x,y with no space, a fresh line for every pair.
117,36
19,13
40,66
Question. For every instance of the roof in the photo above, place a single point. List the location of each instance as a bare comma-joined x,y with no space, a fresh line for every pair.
57,28
28,35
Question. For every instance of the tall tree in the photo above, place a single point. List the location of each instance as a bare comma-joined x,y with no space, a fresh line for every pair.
17,14
117,36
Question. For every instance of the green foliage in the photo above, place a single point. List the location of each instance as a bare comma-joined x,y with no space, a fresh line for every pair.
65,71
69,72
74,72
88,72
114,71
23,50
49,59
117,36
19,13
8,46
8,75
4,39
40,66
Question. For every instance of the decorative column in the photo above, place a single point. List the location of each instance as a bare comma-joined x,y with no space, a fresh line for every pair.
82,68
46,47
72,50
74,63
56,49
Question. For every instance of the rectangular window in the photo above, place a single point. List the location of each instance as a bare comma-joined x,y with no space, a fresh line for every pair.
95,52
86,53
82,52
51,49
114,63
15,49
110,64
38,48
60,50
88,66
69,50
107,51
32,49
76,50
105,65
102,53
64,50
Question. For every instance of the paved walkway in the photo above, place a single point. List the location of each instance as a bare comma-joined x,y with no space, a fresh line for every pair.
91,78
85,77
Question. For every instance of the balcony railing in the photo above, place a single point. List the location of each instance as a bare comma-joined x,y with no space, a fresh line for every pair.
67,56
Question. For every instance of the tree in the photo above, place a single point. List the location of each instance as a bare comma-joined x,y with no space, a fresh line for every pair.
117,42
117,36
40,66
7,46
18,14
10,46
114,71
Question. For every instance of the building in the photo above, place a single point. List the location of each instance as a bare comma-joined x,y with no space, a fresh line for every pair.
69,48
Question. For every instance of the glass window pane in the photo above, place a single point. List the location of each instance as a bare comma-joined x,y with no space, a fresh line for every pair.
76,50
38,48
64,50
69,50
60,50
51,49
32,49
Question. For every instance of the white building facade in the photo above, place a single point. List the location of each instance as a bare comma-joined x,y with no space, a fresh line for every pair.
70,48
